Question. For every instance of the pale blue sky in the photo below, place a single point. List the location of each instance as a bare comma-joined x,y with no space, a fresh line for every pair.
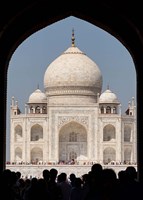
31,59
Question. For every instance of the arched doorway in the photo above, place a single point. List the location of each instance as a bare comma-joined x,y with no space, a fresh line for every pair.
72,142
36,155
109,133
109,155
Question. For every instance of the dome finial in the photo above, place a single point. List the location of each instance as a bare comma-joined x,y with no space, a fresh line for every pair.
73,38
108,86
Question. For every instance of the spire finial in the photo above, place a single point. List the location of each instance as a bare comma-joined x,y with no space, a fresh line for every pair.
73,38
108,86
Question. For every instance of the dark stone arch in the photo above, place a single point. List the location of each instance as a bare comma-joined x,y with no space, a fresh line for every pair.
26,17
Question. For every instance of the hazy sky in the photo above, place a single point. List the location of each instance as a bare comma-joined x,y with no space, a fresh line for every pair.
31,59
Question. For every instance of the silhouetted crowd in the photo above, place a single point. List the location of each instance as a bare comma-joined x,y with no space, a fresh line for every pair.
97,184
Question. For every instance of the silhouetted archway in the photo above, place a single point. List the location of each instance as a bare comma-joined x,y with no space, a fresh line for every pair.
28,17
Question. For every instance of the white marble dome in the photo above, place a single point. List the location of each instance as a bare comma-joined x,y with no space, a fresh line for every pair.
108,97
71,71
37,97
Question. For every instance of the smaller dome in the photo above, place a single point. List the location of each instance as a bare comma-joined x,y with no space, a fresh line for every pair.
37,97
108,97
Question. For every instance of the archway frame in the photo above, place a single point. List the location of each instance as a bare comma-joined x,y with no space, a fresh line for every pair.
27,17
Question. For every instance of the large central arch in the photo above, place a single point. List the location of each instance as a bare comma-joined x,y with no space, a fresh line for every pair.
72,142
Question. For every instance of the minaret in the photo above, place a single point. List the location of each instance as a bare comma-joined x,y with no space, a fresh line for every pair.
14,107
131,108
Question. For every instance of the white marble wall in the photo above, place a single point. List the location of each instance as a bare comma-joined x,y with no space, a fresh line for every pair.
79,170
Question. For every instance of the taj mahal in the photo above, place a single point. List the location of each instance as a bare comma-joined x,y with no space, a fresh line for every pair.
73,121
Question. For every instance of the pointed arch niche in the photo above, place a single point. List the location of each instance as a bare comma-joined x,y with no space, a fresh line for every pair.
109,133
18,133
36,132
109,155
36,155
18,154
72,142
